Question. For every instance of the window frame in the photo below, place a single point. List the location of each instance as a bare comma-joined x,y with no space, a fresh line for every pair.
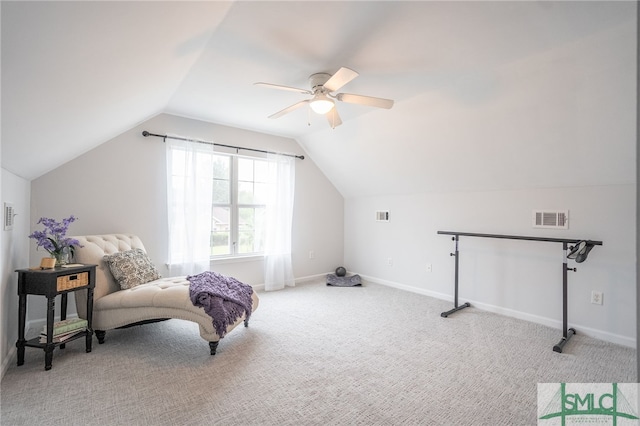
235,206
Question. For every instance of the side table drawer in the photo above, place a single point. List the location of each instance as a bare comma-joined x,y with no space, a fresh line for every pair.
67,282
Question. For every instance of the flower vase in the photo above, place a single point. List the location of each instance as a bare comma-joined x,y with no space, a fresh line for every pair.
62,257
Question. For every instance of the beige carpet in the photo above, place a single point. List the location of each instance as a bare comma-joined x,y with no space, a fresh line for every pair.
313,355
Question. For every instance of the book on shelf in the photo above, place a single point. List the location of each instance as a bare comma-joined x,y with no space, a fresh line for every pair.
65,326
61,337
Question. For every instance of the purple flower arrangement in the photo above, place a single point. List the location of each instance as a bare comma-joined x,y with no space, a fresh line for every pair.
53,238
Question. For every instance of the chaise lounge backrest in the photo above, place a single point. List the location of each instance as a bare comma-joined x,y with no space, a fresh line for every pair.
94,248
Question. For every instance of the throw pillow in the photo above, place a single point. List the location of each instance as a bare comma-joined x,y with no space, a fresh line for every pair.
131,268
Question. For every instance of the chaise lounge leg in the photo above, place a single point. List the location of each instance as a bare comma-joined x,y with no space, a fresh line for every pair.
212,347
100,335
246,322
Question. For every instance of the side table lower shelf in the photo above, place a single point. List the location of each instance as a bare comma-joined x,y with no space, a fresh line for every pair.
52,283
48,349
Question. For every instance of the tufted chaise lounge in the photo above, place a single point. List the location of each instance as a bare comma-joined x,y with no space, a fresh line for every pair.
157,300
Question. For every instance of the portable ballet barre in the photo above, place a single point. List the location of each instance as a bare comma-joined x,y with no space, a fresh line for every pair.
566,332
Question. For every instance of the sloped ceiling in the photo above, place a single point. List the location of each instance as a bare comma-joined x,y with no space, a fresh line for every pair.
75,74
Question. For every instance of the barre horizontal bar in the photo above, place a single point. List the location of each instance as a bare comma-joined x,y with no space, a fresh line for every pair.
521,237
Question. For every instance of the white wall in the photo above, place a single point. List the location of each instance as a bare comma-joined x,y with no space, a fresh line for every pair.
518,278
553,129
15,255
120,187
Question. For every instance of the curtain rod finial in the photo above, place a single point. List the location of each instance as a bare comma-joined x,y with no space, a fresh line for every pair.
145,133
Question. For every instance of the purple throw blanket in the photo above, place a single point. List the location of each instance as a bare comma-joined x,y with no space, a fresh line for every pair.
223,298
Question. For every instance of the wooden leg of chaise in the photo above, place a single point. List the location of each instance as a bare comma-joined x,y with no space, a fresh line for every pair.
100,335
246,323
213,346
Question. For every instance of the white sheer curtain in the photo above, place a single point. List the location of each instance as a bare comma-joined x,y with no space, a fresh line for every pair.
279,218
189,200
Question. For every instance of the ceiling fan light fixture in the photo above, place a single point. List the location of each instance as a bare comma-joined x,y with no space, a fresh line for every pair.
321,104
323,96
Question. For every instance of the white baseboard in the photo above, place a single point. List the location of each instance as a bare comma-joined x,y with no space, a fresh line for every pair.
308,278
300,280
8,360
549,322
405,287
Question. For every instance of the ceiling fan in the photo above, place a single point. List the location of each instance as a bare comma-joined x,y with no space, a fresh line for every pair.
323,101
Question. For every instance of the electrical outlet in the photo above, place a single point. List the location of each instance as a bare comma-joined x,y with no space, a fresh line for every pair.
312,254
429,269
389,261
596,297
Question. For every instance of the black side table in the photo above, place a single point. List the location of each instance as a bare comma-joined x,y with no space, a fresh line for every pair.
51,283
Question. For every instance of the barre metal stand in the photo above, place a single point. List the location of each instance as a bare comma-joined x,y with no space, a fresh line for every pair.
567,333
456,308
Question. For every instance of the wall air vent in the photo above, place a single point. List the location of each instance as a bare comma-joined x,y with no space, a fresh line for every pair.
382,216
9,215
551,219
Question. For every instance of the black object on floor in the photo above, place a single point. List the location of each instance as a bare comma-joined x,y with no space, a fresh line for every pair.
336,281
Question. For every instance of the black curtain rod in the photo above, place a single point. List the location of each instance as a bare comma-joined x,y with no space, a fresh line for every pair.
145,134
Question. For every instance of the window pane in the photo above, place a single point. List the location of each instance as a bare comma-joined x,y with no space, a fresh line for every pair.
221,166
260,193
245,230
250,230
245,170
260,228
220,243
252,191
221,231
245,193
222,179
261,171
221,191
245,181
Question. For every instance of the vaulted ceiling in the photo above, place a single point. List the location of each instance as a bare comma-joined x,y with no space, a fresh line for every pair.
473,83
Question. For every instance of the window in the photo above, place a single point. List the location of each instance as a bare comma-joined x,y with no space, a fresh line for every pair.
239,203
219,205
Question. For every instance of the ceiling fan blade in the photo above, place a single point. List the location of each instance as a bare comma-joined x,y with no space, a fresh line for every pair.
333,118
278,86
289,109
365,100
339,79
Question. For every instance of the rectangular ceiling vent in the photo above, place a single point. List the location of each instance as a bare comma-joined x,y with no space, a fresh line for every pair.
550,219
382,216
9,215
